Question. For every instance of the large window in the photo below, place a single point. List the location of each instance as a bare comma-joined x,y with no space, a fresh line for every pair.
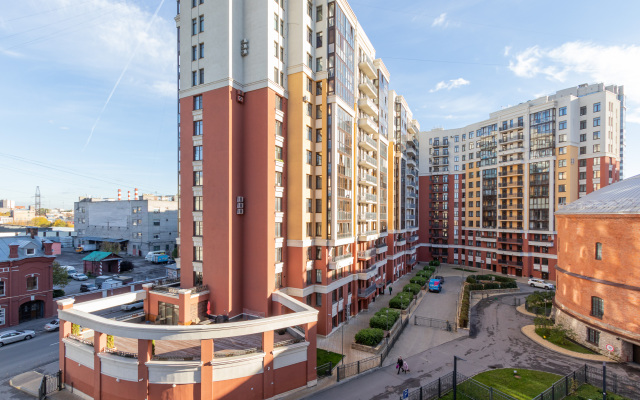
278,229
593,336
1,316
197,153
2,289
597,307
32,282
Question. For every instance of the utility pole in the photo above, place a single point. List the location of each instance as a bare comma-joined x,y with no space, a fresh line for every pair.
38,202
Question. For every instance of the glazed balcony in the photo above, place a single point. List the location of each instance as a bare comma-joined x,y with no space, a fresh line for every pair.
367,216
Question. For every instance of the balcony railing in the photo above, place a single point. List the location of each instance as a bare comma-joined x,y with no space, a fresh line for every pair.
368,143
368,198
363,293
367,216
367,254
509,240
368,179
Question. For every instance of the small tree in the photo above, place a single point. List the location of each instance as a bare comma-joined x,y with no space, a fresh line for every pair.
110,344
59,223
41,222
110,247
75,329
60,276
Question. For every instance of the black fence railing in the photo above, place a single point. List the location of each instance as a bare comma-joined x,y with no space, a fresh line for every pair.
50,384
433,323
324,370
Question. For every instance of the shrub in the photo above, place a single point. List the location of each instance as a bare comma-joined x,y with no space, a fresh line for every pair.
110,343
503,279
508,285
476,286
369,336
413,288
126,266
75,329
491,286
419,280
434,263
463,321
428,268
470,279
401,301
383,319
58,293
390,311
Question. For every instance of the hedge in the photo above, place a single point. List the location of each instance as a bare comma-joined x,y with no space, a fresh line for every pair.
496,278
401,301
428,268
412,288
383,319
463,321
58,293
508,285
425,274
434,263
491,286
419,280
369,336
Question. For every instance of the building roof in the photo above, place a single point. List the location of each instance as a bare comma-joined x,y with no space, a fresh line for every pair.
22,242
99,256
619,198
101,239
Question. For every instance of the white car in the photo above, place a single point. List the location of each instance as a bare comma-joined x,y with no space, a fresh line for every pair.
52,326
132,306
540,283
79,276
7,337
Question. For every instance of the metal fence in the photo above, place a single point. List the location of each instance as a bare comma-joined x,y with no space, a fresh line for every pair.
50,384
324,370
466,388
433,323
358,367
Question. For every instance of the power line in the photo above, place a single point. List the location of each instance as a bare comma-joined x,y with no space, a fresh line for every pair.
30,15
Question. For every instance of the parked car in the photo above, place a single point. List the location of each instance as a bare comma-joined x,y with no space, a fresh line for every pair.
149,256
440,278
79,276
99,280
7,337
52,326
541,283
88,287
132,306
435,285
70,270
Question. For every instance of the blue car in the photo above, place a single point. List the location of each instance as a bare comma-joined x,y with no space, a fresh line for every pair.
435,285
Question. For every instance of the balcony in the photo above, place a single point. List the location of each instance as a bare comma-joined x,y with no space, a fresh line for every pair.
366,66
512,172
510,195
511,138
367,216
366,161
401,242
413,239
364,293
512,149
503,239
381,248
513,183
366,87
505,128
510,263
368,198
367,143
411,162
365,236
412,128
411,150
511,206
368,106
368,125
367,254
341,261
510,217
368,180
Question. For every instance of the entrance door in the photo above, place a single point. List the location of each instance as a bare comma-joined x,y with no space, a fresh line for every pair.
504,270
31,310
636,353
518,272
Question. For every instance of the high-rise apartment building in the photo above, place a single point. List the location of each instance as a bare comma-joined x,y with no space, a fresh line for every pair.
490,189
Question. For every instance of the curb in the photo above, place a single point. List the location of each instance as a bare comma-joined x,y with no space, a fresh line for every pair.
522,310
529,331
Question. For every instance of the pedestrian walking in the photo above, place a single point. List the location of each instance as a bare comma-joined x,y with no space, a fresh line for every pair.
390,289
405,366
399,364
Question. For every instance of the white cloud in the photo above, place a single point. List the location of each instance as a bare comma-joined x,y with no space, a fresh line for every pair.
507,49
452,84
441,20
585,62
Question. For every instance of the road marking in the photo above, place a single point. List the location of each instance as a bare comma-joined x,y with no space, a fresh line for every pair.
53,344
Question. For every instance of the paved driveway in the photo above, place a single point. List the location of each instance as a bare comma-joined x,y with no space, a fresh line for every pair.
498,343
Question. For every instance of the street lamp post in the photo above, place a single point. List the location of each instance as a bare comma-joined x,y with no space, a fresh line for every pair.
455,375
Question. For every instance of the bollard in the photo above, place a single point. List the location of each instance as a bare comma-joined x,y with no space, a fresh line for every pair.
439,388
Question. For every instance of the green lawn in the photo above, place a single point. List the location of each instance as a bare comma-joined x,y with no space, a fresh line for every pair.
529,385
591,392
569,345
324,356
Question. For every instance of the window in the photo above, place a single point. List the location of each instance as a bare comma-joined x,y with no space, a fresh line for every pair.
309,157
596,121
319,64
562,125
309,60
318,229
279,204
310,8
201,50
562,111
202,23
318,39
562,175
281,27
309,109
596,174
582,163
318,299
319,112
309,229
278,179
318,182
197,178
197,203
2,316
318,135
562,150
598,251
583,137
597,307
279,103
281,53
582,175
309,35
596,107
596,161
593,336
561,202
596,135
32,282
2,289
562,188
309,182
197,128
197,102
194,53
582,188
319,13
309,133
562,163
596,148
197,153
279,153
319,88
197,228
201,76
194,27
583,124
583,149
275,22
197,253
275,48
318,205
583,110
318,159
309,205
278,229
279,128
279,255
194,78
318,276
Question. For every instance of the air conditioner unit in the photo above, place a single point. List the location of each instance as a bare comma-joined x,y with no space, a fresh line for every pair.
305,99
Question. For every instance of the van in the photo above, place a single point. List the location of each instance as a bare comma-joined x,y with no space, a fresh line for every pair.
70,270
149,256
99,280
435,285
110,284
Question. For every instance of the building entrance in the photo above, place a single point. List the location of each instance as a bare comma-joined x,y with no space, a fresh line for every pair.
31,310
636,354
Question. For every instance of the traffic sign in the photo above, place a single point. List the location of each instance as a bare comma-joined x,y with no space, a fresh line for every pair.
405,394
609,347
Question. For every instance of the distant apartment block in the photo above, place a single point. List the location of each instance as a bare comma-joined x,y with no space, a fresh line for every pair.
139,226
490,189
9,204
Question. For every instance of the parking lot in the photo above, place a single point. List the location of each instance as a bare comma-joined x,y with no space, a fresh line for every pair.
142,269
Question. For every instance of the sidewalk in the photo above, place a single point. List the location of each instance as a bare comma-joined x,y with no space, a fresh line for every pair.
36,325
342,336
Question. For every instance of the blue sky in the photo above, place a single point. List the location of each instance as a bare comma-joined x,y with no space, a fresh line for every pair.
455,62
